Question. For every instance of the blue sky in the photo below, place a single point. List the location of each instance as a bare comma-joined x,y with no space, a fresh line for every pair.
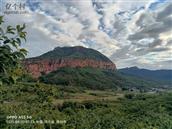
129,32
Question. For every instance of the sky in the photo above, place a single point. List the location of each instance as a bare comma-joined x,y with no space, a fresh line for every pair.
129,32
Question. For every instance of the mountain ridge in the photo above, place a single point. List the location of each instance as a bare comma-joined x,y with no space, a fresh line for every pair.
136,67
162,75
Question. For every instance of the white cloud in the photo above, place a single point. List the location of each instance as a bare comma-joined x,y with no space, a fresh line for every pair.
126,31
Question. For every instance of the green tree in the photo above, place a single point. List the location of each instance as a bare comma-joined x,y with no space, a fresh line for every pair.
11,52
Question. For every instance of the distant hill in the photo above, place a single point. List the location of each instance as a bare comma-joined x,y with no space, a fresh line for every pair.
67,57
163,76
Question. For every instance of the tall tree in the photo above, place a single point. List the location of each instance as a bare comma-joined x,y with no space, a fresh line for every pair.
11,52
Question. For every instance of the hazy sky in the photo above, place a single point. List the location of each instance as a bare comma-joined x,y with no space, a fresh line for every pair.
129,32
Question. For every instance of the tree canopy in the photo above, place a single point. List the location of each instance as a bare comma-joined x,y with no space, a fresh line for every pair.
11,51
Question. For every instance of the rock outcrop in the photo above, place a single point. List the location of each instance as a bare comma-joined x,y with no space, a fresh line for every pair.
38,67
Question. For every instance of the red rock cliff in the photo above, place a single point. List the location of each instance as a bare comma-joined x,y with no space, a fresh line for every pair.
39,66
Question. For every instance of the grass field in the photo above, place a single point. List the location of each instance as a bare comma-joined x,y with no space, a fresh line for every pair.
89,95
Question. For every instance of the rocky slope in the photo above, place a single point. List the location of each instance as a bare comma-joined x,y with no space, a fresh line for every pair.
74,57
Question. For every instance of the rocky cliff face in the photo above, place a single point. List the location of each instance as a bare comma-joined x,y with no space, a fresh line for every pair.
38,67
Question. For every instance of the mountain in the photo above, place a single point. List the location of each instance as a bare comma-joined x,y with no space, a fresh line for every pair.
163,76
83,67
73,57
